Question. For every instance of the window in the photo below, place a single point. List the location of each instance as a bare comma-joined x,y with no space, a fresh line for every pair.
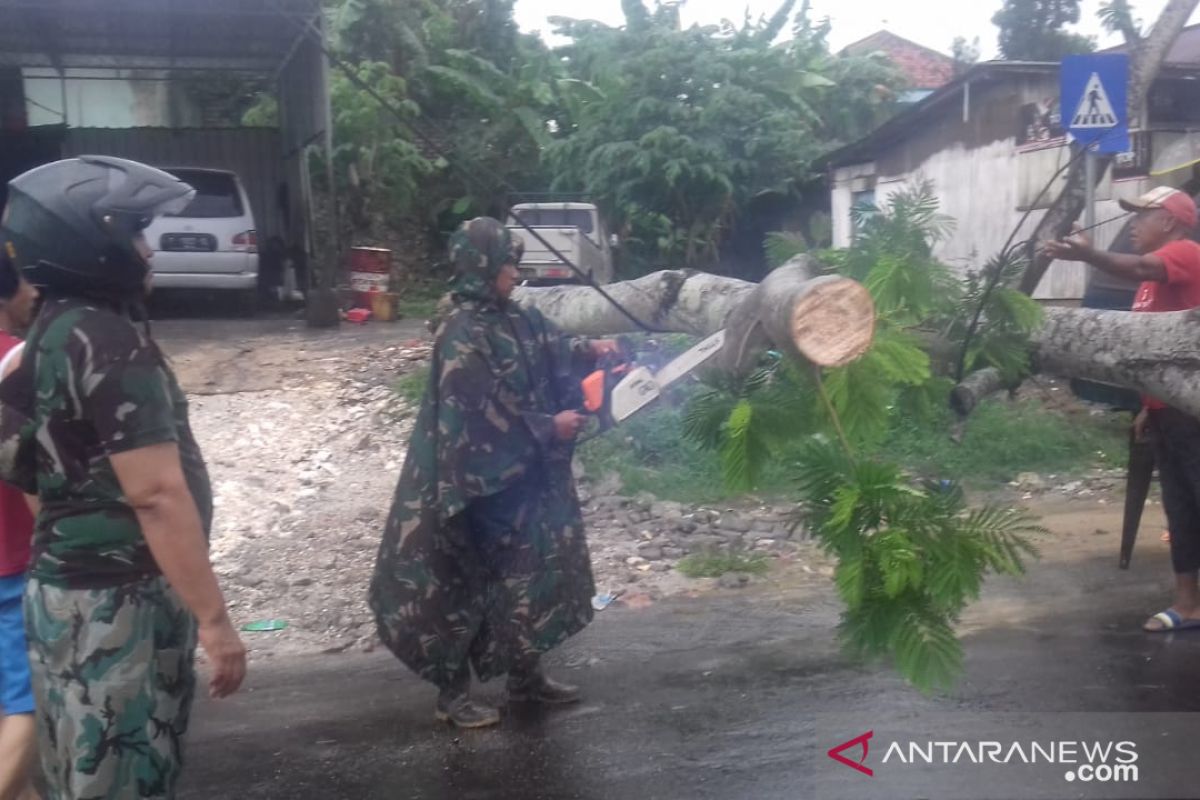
217,195
862,206
556,218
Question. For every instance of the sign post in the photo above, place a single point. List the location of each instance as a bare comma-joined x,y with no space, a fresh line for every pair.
1095,109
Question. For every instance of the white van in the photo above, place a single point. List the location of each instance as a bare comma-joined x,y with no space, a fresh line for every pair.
211,244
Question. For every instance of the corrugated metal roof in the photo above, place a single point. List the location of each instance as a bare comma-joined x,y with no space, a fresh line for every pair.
250,35
916,116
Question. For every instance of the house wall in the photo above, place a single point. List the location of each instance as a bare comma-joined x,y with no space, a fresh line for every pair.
986,178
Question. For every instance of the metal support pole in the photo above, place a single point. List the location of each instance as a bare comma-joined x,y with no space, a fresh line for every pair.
1089,208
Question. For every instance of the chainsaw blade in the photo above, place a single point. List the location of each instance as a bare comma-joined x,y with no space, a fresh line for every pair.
641,387
688,362
635,391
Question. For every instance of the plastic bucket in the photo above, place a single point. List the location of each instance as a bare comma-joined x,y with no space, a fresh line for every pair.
383,306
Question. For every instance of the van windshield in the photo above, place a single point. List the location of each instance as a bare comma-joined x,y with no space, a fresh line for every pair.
556,218
217,195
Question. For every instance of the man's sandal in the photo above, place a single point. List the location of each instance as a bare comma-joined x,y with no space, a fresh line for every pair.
1171,622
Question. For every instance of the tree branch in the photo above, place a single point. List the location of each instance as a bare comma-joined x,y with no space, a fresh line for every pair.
1145,61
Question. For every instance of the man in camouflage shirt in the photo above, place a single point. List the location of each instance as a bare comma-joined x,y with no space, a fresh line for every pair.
483,562
120,586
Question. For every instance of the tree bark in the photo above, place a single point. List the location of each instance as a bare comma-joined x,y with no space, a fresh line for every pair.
827,320
1157,354
1146,58
975,388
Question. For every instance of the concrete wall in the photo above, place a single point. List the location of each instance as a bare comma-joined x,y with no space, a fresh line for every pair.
983,179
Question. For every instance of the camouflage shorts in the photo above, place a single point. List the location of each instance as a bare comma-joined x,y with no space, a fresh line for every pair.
114,678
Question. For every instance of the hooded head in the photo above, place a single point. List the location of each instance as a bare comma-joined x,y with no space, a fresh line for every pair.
481,251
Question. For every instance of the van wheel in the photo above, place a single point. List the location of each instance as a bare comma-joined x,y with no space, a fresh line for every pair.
246,303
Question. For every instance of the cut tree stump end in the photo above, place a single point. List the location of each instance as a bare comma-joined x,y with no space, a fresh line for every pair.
833,324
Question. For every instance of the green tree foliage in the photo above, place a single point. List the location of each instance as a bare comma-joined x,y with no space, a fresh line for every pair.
965,53
1034,30
378,166
911,556
1117,17
689,127
680,135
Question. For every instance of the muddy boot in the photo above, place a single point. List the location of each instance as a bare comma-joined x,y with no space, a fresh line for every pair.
461,711
535,687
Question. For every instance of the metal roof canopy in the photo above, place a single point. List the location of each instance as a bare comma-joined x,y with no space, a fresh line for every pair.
228,35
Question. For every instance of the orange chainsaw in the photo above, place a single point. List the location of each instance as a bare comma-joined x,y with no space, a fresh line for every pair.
618,389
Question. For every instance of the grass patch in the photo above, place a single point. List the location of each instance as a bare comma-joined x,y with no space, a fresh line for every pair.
1004,439
411,387
419,300
650,454
714,565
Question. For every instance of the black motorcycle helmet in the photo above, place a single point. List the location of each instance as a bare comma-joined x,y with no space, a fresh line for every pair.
70,225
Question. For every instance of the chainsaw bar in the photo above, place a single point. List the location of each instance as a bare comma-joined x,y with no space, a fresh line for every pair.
641,386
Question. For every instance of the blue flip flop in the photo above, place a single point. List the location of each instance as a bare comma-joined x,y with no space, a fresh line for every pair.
1172,622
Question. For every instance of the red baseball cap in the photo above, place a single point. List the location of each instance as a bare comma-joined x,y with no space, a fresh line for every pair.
1179,205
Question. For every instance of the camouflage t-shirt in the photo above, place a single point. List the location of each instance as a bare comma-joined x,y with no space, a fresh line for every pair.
102,388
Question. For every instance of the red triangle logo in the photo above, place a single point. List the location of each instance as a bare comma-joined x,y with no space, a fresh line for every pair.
864,742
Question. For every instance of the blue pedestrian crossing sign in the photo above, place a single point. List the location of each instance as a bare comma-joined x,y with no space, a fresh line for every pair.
1094,101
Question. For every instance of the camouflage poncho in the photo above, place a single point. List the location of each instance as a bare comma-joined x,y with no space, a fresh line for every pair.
484,558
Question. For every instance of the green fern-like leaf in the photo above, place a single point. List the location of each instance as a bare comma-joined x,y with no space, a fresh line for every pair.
1020,310
900,564
783,247
706,415
738,448
898,358
851,581
926,651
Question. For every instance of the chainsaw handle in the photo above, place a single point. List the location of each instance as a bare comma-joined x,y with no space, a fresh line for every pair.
594,392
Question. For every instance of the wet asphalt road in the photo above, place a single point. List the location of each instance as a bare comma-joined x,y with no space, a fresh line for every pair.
735,695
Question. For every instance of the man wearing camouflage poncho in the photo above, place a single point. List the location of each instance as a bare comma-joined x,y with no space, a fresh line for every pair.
483,561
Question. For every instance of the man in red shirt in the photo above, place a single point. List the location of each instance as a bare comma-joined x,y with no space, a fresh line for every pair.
17,728
1169,269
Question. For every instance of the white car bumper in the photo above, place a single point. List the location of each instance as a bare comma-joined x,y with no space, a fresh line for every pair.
206,280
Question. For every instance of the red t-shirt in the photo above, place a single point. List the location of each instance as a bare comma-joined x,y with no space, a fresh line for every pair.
1180,291
16,523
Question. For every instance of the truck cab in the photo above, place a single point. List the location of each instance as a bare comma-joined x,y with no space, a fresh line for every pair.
574,229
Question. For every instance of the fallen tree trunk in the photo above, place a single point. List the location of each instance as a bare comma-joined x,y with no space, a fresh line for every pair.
828,320
1155,354
1158,354
975,388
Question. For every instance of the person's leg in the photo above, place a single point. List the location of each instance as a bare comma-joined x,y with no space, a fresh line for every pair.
18,755
1177,451
528,683
454,703
115,692
17,728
